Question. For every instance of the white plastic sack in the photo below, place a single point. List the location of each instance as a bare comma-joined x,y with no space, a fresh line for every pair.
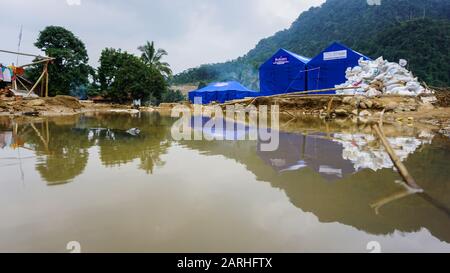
396,79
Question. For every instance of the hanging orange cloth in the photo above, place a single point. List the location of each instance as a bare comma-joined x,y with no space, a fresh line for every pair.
19,71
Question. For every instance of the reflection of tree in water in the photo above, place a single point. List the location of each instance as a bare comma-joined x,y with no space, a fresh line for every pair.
117,146
125,147
66,154
63,158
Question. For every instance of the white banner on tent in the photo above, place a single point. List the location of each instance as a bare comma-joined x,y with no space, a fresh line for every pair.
281,61
335,55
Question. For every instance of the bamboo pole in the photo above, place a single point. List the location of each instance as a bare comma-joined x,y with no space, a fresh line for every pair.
290,114
42,85
40,136
314,91
47,131
395,159
251,100
38,62
46,85
21,83
330,104
25,80
23,54
394,197
46,79
36,84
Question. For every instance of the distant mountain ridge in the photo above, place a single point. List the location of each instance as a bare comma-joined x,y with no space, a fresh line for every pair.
416,30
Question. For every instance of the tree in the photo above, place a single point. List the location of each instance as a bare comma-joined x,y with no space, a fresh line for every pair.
123,77
70,68
172,96
202,84
152,57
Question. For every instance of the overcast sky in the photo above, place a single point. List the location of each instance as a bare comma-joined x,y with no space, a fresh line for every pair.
192,31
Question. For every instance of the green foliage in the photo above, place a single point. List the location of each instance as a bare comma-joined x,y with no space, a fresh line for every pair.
202,84
428,39
356,24
70,69
153,58
172,96
122,77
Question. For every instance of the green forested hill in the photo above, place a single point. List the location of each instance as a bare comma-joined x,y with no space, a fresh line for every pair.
426,45
416,30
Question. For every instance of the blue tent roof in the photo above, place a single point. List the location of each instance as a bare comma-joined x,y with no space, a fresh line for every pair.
284,72
299,57
221,92
327,69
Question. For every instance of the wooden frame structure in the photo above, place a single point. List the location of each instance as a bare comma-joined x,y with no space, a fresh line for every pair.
43,78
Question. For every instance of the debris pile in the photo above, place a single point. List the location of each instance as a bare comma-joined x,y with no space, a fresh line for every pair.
378,77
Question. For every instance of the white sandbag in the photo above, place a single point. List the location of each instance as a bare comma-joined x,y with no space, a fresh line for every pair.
414,86
372,92
401,91
403,62
405,78
395,79
391,82
391,87
406,93
381,76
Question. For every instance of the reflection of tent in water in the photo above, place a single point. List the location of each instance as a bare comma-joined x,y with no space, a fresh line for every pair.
367,200
298,151
225,131
340,155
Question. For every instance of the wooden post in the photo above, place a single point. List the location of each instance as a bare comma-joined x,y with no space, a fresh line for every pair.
330,104
21,83
395,159
46,79
42,86
394,197
40,136
47,131
37,82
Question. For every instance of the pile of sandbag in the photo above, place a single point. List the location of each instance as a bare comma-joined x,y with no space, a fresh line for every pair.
374,78
358,149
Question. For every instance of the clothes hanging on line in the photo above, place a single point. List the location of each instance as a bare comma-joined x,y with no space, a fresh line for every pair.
6,74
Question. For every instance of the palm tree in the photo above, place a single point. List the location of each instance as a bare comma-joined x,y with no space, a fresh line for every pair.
152,57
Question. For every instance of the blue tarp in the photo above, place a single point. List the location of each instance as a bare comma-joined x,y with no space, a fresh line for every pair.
222,92
284,72
327,69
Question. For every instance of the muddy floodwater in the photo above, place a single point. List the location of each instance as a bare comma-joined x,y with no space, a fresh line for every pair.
329,187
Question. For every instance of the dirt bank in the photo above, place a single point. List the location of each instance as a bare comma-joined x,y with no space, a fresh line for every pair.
431,111
55,106
59,105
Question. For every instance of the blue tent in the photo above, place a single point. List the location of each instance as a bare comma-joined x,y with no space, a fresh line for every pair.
284,72
327,69
221,92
